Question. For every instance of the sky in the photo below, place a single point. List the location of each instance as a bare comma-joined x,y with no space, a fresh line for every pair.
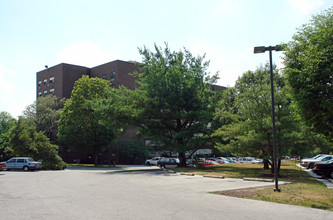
35,33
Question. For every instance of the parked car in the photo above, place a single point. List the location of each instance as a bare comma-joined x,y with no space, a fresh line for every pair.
232,159
190,162
217,160
324,168
168,162
309,163
207,163
222,158
250,160
23,163
3,166
153,161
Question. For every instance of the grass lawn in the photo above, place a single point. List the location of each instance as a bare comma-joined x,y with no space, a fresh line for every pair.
305,190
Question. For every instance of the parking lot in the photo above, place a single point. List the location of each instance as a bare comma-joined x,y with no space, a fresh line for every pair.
96,194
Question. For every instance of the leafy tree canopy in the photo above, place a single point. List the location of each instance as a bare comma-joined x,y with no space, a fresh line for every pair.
308,68
25,141
246,116
84,125
6,123
173,103
45,113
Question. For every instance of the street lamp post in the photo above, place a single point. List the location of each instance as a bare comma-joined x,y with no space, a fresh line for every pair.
263,49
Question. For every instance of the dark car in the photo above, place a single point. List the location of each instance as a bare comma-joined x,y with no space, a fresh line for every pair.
3,166
168,162
324,168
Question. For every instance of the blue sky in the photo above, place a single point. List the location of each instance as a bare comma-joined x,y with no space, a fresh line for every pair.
36,33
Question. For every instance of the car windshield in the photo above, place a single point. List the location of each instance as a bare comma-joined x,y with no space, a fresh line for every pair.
30,159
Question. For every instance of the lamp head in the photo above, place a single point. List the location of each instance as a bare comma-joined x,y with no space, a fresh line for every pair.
260,49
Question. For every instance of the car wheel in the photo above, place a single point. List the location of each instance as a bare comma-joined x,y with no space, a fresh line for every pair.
25,168
311,166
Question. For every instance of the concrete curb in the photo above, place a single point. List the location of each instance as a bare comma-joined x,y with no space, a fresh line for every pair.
258,179
187,174
217,177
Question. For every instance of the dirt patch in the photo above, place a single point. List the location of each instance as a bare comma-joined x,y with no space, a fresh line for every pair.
243,193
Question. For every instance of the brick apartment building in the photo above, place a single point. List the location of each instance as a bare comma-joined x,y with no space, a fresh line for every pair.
59,80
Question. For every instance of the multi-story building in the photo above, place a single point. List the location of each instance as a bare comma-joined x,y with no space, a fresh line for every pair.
60,79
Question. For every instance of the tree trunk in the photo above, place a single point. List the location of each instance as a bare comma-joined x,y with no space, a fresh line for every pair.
95,159
182,159
110,156
266,164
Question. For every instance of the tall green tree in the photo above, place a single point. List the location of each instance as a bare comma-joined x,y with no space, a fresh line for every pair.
6,123
308,68
48,110
248,123
173,104
45,114
84,125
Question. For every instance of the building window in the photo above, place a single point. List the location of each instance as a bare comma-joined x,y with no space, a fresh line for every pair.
51,79
40,94
52,91
45,81
112,76
45,92
104,77
39,83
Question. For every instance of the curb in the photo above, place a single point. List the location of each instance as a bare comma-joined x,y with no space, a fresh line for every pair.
258,179
217,177
187,174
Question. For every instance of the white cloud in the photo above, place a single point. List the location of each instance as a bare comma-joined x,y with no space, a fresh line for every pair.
306,6
85,53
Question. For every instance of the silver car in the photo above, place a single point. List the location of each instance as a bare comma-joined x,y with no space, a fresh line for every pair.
23,163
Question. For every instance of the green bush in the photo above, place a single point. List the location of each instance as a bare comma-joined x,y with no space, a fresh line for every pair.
26,142
56,163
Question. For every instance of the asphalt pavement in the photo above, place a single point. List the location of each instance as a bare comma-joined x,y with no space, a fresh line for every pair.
100,194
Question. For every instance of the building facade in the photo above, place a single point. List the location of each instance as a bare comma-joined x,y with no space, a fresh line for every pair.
59,80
